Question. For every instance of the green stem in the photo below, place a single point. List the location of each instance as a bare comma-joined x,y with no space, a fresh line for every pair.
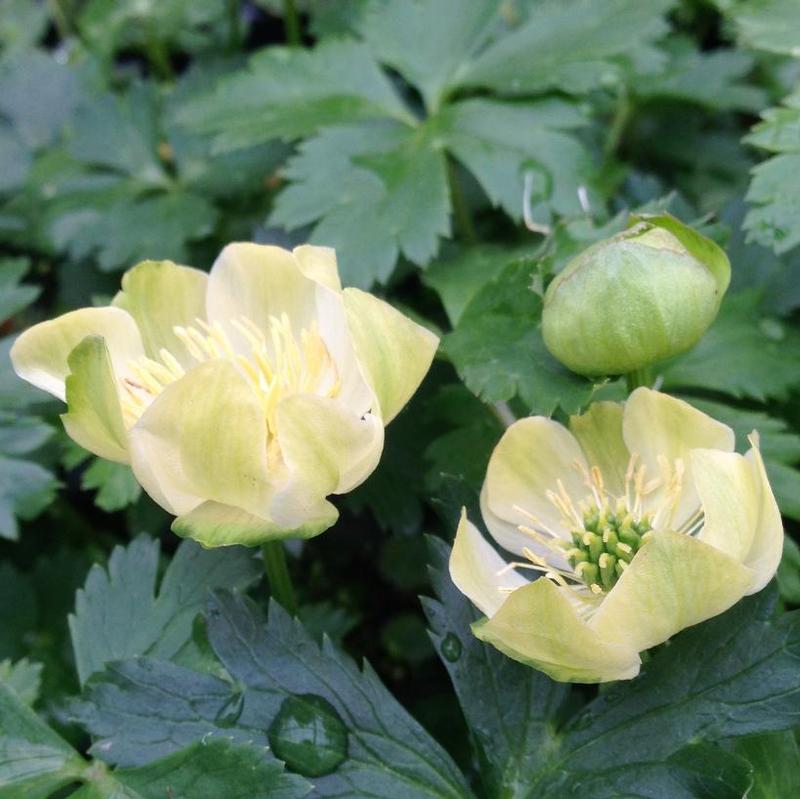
619,122
234,28
463,220
291,22
639,377
61,18
158,56
280,582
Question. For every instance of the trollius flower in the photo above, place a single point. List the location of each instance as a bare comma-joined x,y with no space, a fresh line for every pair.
241,398
638,521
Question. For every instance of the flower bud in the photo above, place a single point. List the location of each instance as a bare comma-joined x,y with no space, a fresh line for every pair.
644,295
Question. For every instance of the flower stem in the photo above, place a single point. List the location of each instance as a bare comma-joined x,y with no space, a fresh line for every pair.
291,23
463,220
280,582
639,377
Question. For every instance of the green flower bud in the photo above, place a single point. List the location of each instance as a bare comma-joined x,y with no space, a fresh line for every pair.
644,295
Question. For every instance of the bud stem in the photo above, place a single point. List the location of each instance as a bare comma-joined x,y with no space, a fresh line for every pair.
639,377
280,582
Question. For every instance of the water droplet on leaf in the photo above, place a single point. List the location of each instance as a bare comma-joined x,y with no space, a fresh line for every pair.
309,735
451,648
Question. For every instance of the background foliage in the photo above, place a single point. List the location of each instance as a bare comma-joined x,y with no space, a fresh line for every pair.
456,153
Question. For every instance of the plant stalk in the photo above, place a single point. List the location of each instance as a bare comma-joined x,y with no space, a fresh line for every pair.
280,582
291,23
639,377
463,220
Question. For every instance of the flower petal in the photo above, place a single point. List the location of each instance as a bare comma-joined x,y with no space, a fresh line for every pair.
94,419
160,295
258,281
532,457
204,438
657,426
213,524
599,432
674,581
40,354
478,571
395,352
539,626
767,548
319,264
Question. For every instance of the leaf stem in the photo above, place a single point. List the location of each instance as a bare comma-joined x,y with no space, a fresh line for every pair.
619,122
291,23
234,27
463,220
280,582
639,377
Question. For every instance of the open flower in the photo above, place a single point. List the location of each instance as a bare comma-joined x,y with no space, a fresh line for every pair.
639,520
241,398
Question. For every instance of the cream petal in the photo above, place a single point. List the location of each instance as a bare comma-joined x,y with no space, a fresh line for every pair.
478,571
94,419
599,432
674,581
204,438
319,264
539,626
394,352
161,295
40,354
532,457
258,281
656,426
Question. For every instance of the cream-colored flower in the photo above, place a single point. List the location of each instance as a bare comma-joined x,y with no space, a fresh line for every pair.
241,398
639,520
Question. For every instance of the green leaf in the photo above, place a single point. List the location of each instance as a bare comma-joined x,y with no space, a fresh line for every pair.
319,712
500,142
428,41
771,25
498,351
22,677
774,221
789,572
22,23
510,709
103,627
744,354
213,768
288,93
18,610
14,297
116,486
571,46
34,761
377,190
776,764
26,488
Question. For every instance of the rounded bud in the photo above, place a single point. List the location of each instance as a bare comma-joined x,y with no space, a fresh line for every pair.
644,295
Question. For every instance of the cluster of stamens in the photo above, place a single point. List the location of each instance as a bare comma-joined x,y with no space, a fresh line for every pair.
605,531
279,363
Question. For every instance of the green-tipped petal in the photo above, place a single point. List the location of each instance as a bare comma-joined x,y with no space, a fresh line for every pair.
599,432
539,626
94,419
674,581
213,524
767,548
655,426
478,571
40,354
531,458
395,352
258,281
160,295
327,449
204,438
319,264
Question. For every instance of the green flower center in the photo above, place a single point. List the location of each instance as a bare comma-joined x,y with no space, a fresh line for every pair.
606,544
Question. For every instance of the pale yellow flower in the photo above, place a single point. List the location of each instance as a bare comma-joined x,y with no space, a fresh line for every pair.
241,398
638,520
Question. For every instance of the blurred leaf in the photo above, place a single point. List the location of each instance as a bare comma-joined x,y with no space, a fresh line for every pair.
326,619
116,486
789,572
771,25
23,22
744,354
498,351
26,488
776,764
572,46
13,296
18,611
22,677
103,627
318,711
404,639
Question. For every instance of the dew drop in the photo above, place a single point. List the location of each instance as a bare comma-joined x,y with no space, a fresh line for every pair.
309,735
451,648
